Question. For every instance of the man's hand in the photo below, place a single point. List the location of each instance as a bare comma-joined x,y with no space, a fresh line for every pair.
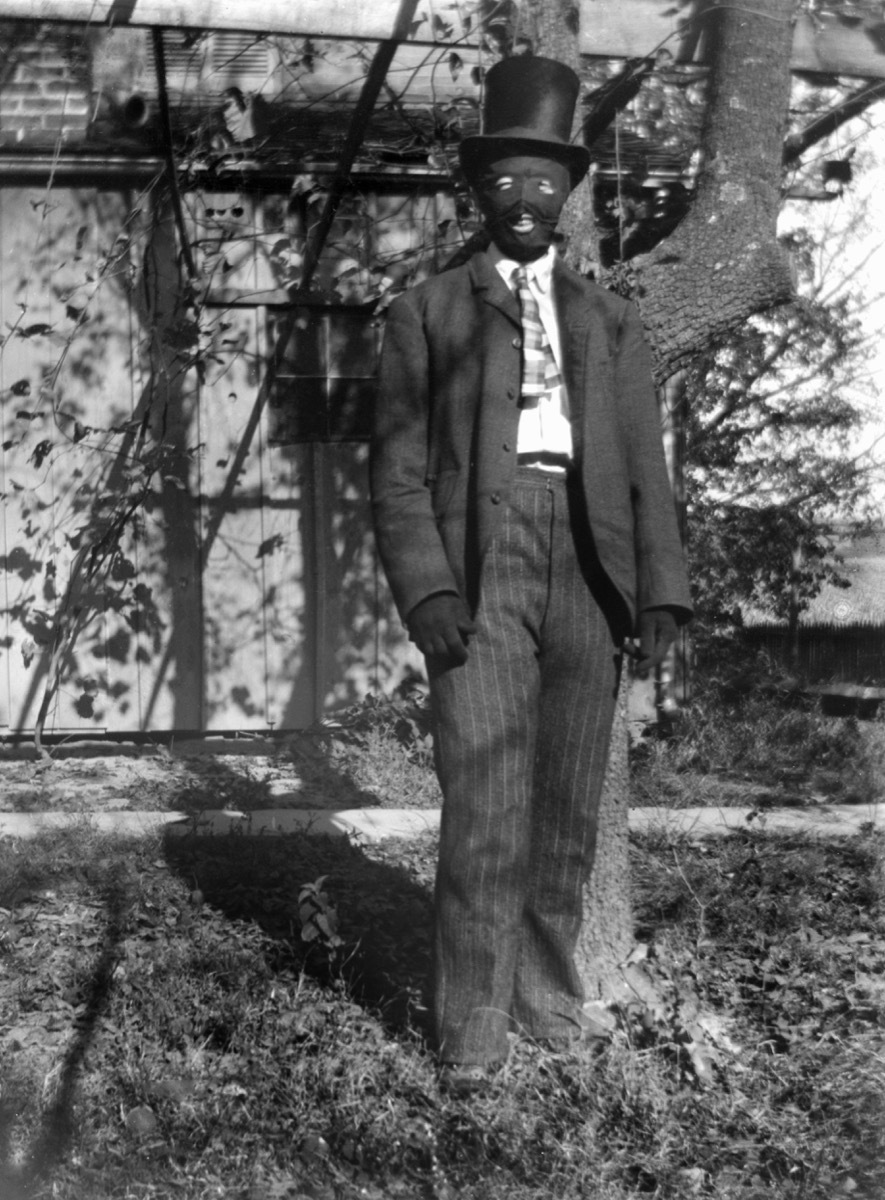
440,627
657,633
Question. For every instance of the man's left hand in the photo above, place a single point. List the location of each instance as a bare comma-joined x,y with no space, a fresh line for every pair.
657,633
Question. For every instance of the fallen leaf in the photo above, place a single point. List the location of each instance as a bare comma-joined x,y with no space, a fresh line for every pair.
141,1121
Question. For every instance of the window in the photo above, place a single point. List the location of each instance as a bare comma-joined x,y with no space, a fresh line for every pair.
325,388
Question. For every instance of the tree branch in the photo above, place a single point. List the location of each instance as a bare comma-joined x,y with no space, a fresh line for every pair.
852,106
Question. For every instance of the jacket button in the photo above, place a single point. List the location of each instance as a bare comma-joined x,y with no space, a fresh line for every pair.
517,343
511,393
495,498
507,446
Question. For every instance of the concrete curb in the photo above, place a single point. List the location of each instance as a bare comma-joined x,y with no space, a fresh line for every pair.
30,824
379,824
823,820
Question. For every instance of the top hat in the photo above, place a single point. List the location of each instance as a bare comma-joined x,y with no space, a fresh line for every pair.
528,110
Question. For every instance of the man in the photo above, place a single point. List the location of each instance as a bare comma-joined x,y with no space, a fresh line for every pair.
525,521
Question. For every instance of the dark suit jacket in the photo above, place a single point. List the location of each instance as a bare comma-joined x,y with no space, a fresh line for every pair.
444,446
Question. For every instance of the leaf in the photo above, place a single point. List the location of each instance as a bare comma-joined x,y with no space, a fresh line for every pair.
18,1036
35,330
456,64
324,924
175,1090
141,1121
41,450
269,545
22,387
74,314
314,1146
701,1059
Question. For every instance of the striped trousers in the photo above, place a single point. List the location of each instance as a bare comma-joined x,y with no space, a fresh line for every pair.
521,739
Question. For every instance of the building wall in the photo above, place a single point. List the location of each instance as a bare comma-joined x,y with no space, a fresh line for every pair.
45,92
245,592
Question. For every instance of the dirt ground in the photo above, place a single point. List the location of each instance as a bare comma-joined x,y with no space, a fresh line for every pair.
93,779
250,774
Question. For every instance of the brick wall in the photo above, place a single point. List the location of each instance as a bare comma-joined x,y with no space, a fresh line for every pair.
44,90
64,80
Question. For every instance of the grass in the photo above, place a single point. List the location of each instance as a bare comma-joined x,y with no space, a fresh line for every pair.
754,728
244,1017
167,1032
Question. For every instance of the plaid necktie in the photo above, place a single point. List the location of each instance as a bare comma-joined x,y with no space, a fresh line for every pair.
539,371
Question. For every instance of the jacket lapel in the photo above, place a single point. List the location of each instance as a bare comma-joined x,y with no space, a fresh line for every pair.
487,284
575,317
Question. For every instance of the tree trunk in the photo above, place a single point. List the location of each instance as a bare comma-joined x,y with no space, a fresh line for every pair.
607,931
723,262
720,265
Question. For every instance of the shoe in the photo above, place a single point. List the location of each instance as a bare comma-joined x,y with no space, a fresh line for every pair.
462,1079
555,1045
595,1030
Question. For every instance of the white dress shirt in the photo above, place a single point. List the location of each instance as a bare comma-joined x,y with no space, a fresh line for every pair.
543,422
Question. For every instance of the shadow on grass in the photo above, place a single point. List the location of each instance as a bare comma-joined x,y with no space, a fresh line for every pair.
51,1139
383,917
315,776
382,897
382,911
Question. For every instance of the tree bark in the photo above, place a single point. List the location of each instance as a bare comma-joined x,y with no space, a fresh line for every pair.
607,937
720,265
723,262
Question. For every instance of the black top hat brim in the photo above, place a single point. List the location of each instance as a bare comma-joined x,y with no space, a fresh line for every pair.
477,151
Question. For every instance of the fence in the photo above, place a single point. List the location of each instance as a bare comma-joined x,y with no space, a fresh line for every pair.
851,653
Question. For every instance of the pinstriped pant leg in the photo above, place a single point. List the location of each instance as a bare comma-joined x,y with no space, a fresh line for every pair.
522,734
578,688
486,728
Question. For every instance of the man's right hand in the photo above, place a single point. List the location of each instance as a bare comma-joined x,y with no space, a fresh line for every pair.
440,627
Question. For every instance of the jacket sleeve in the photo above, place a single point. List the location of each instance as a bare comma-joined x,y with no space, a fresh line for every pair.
406,532
662,580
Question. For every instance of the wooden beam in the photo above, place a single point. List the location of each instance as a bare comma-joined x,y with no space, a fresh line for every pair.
639,28
374,82
436,21
609,28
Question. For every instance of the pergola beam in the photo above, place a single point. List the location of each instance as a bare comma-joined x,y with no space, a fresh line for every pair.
822,43
435,21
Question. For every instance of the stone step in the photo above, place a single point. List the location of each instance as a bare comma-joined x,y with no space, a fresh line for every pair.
377,824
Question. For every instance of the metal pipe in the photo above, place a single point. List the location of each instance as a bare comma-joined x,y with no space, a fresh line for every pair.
137,111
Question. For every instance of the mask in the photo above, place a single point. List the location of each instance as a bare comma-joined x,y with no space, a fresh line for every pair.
521,199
